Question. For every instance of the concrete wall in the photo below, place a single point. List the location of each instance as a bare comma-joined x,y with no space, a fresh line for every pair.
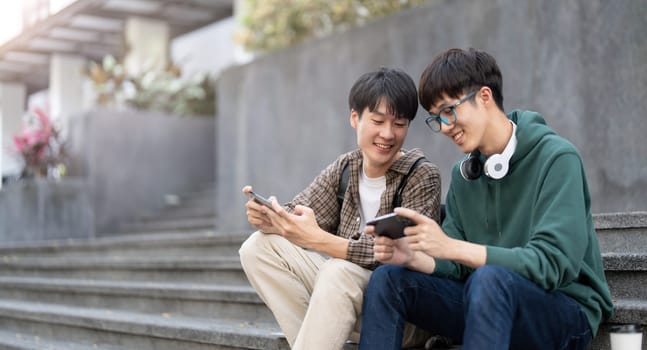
42,209
132,159
582,63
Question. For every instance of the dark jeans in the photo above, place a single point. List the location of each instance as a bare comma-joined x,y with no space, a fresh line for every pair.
495,309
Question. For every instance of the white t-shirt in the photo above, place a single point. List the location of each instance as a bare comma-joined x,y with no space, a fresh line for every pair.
370,192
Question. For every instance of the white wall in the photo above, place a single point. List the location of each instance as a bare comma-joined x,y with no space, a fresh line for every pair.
209,49
12,109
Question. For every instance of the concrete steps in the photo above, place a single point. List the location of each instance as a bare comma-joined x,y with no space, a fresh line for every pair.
625,273
110,329
187,269
192,211
172,244
169,224
185,289
194,300
622,232
164,281
623,241
161,291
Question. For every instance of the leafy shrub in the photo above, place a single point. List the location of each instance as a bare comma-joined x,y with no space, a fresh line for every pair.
274,24
153,90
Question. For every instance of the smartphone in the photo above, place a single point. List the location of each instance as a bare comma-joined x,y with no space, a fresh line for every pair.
260,199
390,225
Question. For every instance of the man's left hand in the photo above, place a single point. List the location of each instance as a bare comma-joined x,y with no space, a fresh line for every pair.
299,227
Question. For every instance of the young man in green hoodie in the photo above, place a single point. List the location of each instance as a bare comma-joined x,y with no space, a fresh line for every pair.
516,263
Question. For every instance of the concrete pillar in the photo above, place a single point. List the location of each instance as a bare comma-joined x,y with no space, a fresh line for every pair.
241,55
66,88
148,45
12,109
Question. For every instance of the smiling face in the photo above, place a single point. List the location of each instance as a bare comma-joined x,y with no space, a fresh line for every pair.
480,121
380,136
478,124
468,128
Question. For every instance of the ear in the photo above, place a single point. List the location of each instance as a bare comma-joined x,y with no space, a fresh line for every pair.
485,95
354,118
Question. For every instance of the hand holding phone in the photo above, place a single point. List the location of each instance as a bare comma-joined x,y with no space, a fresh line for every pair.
260,199
390,225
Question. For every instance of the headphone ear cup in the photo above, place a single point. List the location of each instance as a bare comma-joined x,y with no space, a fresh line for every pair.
496,167
471,168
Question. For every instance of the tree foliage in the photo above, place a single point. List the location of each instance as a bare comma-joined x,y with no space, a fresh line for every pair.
153,90
274,24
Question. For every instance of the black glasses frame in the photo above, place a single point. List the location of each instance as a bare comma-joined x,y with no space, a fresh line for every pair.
433,120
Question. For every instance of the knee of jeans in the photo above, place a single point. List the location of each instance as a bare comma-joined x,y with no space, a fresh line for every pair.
386,275
488,279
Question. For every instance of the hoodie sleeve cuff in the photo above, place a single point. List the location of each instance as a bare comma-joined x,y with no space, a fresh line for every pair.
499,256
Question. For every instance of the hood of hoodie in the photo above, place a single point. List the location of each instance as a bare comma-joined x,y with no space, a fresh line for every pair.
531,128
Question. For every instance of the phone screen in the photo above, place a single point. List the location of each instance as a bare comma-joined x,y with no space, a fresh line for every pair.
390,225
260,199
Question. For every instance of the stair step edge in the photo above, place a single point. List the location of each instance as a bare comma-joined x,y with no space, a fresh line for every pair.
229,293
207,331
110,262
629,311
631,261
25,341
635,219
126,240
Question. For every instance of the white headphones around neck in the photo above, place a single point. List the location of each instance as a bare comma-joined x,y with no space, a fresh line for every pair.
495,167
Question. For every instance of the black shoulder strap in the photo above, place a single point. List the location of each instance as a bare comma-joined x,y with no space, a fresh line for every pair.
343,185
397,199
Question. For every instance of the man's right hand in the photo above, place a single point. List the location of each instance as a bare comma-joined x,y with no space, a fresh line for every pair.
255,215
399,252
390,251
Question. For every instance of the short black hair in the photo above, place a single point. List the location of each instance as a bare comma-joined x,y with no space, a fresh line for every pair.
456,72
392,86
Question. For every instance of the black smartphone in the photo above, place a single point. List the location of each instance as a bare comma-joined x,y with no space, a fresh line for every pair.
390,225
260,199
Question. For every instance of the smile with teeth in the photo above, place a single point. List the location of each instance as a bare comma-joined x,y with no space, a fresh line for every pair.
383,146
457,136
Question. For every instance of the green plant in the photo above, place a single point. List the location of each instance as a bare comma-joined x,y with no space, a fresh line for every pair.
153,90
108,78
164,91
274,24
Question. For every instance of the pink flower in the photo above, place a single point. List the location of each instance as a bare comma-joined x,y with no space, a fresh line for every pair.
38,143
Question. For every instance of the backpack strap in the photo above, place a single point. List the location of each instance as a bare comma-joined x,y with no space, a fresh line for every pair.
397,198
343,185
442,213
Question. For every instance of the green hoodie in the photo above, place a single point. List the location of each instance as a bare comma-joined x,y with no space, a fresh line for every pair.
536,221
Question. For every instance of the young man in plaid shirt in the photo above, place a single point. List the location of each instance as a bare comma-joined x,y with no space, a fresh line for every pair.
309,260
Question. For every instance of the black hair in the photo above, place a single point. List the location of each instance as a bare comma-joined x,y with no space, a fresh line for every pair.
456,72
392,86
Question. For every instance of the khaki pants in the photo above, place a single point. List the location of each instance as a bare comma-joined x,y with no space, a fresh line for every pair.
317,301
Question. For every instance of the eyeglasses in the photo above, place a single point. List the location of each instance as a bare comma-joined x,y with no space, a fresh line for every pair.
447,115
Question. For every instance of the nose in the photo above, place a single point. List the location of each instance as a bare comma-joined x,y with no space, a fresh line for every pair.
386,132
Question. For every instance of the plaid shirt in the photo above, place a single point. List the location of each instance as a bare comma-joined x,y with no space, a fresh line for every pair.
421,193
